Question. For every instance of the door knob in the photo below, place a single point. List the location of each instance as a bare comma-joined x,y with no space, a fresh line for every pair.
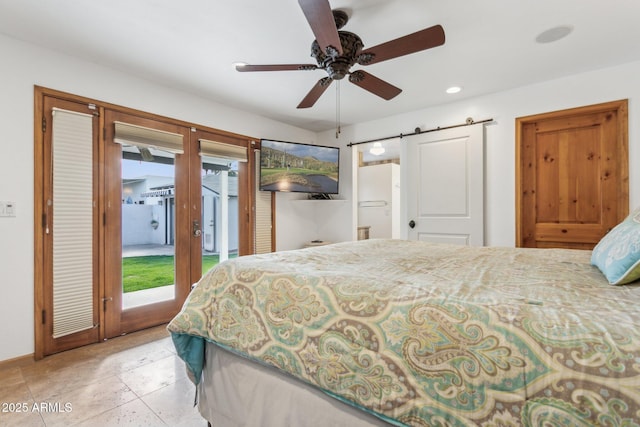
412,223
196,228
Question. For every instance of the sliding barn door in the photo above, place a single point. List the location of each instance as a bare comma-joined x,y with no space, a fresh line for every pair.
68,233
445,186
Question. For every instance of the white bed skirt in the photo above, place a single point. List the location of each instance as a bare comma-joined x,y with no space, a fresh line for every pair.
237,392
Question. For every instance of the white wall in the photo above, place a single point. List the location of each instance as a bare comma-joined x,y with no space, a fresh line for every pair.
584,89
23,66
298,220
136,225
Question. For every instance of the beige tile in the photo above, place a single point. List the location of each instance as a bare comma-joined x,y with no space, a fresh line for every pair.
17,393
72,359
137,338
174,404
141,355
88,401
134,414
20,414
47,382
155,375
11,380
168,344
99,385
51,384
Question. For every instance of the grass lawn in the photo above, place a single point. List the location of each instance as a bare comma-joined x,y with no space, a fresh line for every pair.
144,272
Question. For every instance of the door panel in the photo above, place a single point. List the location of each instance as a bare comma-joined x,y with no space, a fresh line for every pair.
221,190
166,200
69,304
176,220
446,190
572,184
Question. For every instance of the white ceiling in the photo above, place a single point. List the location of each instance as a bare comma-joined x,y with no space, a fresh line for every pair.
191,45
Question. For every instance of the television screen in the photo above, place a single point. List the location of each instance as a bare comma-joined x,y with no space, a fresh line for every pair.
297,167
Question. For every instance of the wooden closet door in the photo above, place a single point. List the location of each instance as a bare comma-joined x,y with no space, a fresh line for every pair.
572,176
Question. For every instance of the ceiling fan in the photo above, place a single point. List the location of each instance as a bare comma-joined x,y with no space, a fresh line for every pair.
337,51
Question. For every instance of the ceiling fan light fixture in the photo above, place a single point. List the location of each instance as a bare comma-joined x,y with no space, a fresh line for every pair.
453,89
377,149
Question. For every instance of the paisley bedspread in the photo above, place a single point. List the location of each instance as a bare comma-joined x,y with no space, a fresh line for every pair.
431,335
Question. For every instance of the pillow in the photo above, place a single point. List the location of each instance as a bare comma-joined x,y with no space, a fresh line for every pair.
617,254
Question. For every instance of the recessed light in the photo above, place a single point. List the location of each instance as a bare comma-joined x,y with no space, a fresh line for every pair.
554,34
454,89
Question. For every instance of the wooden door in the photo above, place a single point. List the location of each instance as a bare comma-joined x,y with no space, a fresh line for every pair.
127,310
66,231
78,228
221,198
572,176
445,186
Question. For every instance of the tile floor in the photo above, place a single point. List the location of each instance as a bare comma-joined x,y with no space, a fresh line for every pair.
133,380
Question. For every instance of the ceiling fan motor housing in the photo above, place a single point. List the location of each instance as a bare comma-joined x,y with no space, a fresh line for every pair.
338,66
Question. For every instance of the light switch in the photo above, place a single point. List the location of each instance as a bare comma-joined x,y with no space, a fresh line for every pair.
7,208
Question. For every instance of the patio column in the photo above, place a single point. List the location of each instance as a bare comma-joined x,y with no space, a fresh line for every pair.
224,215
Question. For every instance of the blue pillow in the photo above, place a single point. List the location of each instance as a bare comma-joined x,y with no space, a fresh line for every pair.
617,254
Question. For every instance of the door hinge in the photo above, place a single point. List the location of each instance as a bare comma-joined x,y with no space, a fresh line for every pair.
104,219
44,317
44,124
44,220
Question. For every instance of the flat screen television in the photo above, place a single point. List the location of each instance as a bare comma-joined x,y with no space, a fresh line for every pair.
297,167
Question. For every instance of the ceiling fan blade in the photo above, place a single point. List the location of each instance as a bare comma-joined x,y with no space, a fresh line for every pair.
374,85
275,67
411,43
320,18
315,93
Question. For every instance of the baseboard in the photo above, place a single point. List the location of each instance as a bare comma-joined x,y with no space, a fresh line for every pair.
17,362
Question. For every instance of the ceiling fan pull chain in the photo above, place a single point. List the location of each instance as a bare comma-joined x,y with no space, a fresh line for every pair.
337,108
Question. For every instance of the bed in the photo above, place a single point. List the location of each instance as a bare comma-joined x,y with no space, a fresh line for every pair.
394,332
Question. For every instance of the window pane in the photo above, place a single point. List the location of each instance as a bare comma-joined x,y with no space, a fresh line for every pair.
219,210
148,226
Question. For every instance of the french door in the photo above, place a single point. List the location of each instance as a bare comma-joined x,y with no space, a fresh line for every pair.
130,209
148,210
67,243
175,197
